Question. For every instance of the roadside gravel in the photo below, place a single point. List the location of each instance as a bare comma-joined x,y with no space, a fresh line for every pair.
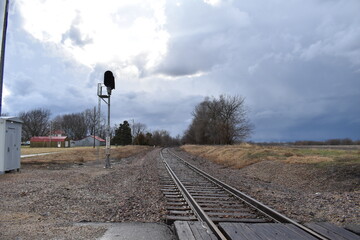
47,202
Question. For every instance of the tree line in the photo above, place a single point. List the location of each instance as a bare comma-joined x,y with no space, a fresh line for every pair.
76,126
137,134
344,141
221,120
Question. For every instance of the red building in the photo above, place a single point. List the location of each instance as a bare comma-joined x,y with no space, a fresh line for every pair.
51,141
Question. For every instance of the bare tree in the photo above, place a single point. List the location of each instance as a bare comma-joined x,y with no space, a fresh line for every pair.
56,123
74,125
230,118
91,120
161,138
138,133
200,127
101,131
219,121
36,123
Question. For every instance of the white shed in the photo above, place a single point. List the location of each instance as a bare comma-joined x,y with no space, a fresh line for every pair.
10,143
89,141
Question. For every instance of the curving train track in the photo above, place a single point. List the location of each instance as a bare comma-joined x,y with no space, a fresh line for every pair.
193,195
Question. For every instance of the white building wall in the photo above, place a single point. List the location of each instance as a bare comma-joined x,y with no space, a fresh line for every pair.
88,141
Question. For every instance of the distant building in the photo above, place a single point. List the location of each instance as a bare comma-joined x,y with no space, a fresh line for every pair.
89,141
50,141
58,133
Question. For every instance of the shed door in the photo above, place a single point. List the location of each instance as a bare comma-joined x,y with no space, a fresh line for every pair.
10,148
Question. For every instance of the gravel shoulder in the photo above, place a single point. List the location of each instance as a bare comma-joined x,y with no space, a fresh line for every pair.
300,191
46,201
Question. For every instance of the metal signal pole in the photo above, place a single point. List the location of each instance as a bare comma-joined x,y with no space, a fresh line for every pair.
107,161
109,82
99,115
3,42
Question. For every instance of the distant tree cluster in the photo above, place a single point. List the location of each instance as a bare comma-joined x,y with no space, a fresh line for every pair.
137,134
74,125
79,125
344,141
163,138
220,120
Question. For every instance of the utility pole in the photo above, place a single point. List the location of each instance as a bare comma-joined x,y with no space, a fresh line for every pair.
94,126
109,82
2,57
107,161
50,132
99,117
133,131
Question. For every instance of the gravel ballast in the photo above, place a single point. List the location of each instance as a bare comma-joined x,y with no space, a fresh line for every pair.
61,201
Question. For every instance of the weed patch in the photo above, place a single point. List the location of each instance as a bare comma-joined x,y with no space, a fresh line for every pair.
81,154
239,156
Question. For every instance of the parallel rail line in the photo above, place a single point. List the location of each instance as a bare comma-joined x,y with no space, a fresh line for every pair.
193,194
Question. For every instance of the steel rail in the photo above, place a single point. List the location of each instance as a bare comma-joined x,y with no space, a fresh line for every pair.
278,217
199,212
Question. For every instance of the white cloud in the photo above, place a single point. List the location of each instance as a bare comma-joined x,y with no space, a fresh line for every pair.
95,32
213,2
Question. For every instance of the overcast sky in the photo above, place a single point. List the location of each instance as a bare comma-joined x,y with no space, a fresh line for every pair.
297,63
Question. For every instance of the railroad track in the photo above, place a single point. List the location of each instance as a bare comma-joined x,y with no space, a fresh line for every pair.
193,195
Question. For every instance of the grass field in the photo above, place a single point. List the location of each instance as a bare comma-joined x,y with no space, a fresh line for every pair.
78,154
238,156
26,150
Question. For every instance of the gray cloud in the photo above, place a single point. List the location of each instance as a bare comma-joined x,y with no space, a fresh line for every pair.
190,56
156,109
75,35
200,37
297,69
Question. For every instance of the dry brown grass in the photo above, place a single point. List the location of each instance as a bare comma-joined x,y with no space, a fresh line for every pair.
79,154
239,156
236,156
30,150
308,159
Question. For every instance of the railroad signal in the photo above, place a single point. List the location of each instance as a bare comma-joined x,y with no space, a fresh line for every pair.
109,81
